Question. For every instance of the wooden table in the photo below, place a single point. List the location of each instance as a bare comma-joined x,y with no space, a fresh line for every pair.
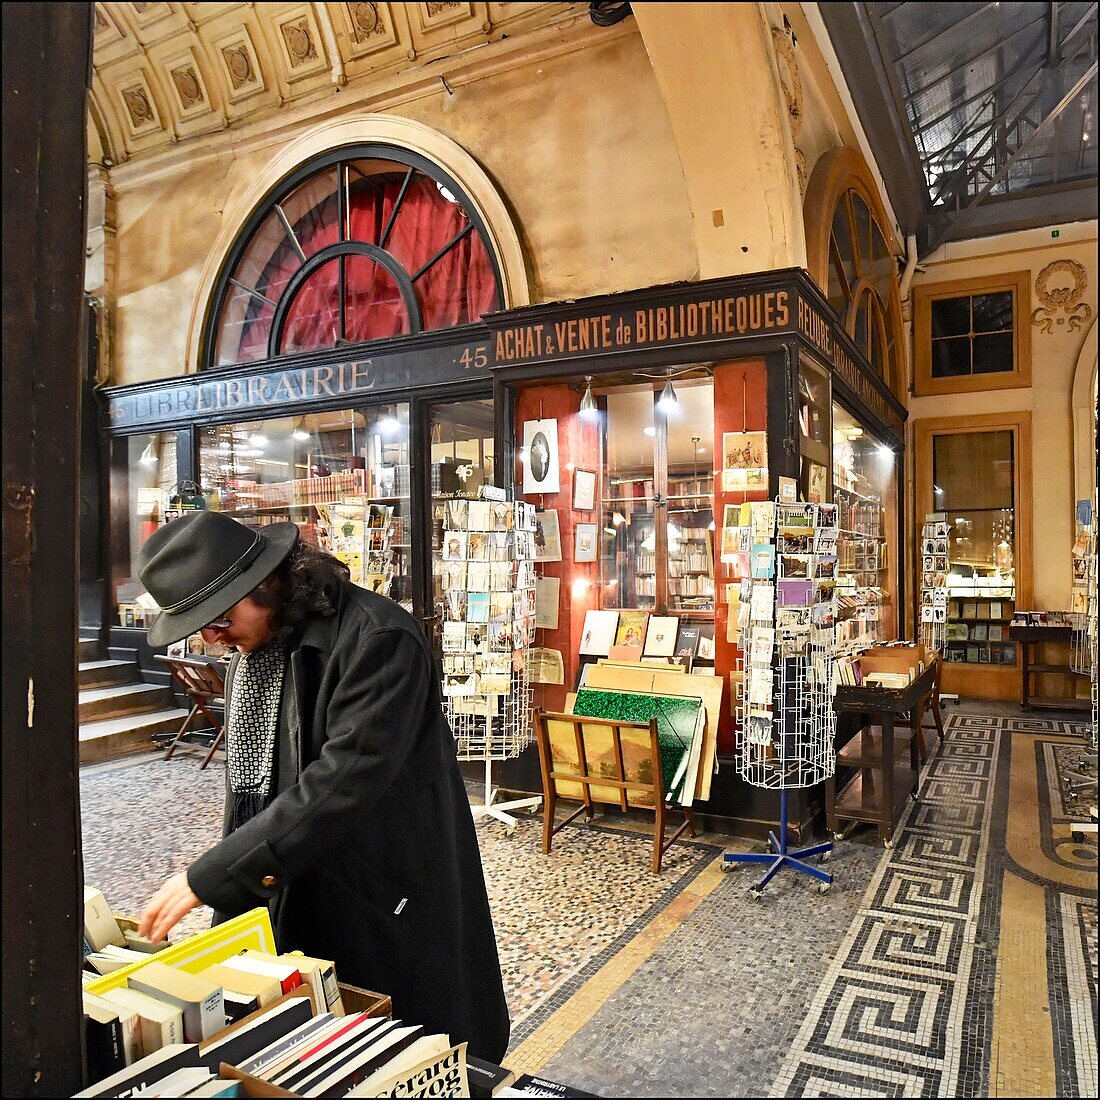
1030,638
882,783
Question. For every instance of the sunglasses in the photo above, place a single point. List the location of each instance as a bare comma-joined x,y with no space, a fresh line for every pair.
218,624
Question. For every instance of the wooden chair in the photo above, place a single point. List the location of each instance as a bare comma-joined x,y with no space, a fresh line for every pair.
607,762
929,705
202,683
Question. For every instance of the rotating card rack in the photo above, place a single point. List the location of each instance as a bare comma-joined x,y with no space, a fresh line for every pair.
490,725
784,706
933,590
1084,662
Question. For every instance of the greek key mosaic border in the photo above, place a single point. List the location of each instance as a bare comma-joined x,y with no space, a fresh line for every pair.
891,1016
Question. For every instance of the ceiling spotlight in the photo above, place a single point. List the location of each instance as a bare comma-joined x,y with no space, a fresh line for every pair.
649,429
884,452
300,434
589,409
148,456
668,400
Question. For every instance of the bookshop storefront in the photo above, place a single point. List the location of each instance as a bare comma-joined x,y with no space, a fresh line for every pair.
634,423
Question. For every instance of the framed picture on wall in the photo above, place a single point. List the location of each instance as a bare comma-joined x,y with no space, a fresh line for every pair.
540,456
584,490
584,542
547,536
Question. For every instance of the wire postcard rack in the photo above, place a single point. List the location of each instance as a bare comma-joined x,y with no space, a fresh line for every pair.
486,566
784,703
933,589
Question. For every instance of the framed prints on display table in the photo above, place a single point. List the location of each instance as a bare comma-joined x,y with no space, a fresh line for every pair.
598,634
660,638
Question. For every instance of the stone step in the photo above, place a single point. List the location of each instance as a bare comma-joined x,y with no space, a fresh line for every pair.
87,649
118,736
119,699
101,673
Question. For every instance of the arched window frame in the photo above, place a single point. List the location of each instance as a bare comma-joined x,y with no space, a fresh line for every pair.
837,177
339,158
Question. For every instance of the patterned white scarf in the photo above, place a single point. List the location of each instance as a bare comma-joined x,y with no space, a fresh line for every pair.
251,727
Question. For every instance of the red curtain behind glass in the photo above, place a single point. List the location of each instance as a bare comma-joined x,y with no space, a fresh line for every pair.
457,289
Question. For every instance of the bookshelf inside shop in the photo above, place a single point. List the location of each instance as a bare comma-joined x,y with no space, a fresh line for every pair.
657,503
864,488
351,500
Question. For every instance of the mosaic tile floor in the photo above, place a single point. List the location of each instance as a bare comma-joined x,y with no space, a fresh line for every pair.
962,962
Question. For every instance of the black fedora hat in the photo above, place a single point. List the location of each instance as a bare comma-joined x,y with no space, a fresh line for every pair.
198,566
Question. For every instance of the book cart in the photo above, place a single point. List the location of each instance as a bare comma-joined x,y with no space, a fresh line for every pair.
785,711
486,574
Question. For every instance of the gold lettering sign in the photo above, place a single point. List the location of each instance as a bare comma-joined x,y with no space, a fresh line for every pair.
653,326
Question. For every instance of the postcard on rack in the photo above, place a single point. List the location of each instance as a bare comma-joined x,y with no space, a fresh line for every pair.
478,515
598,632
454,637
762,513
730,542
763,642
477,637
454,515
477,544
545,666
792,620
501,636
823,567
500,576
501,546
762,607
794,566
477,607
494,684
760,686
795,593
454,546
501,516
459,684
477,576
763,561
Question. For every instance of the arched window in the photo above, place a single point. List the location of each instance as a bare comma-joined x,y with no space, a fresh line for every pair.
364,243
850,259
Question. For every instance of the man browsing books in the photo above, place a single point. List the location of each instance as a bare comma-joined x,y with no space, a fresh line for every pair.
345,809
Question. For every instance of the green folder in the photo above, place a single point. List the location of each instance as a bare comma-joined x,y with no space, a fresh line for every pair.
677,717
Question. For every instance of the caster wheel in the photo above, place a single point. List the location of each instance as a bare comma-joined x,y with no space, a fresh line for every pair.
727,866
1078,838
826,856
824,887
838,837
888,844
755,894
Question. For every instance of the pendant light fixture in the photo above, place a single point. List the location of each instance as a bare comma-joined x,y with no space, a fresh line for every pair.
589,409
668,400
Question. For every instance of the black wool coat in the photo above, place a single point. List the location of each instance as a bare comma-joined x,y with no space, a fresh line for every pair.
367,854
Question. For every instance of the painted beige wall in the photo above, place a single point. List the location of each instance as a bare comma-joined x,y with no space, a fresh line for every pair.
1054,358
579,145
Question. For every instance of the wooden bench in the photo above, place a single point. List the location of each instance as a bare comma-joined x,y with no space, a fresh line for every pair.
605,762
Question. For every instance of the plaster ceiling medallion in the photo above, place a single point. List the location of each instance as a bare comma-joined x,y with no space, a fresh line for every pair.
107,29
144,14
433,16
364,29
141,110
185,78
365,21
301,41
1060,287
242,70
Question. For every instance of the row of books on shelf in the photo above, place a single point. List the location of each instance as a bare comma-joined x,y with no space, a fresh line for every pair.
299,490
698,584
977,632
980,609
212,1020
1042,618
981,654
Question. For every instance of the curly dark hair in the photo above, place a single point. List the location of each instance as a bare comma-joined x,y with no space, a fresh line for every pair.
307,583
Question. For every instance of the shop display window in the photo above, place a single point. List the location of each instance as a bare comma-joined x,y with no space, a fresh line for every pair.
974,486
146,492
865,493
343,477
815,431
657,500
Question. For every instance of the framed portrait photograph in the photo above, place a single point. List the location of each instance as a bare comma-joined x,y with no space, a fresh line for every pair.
584,490
540,456
584,542
547,536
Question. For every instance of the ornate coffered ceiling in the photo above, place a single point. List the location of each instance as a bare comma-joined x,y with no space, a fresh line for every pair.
163,74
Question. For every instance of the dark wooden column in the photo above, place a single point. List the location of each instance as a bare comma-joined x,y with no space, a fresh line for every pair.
47,61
